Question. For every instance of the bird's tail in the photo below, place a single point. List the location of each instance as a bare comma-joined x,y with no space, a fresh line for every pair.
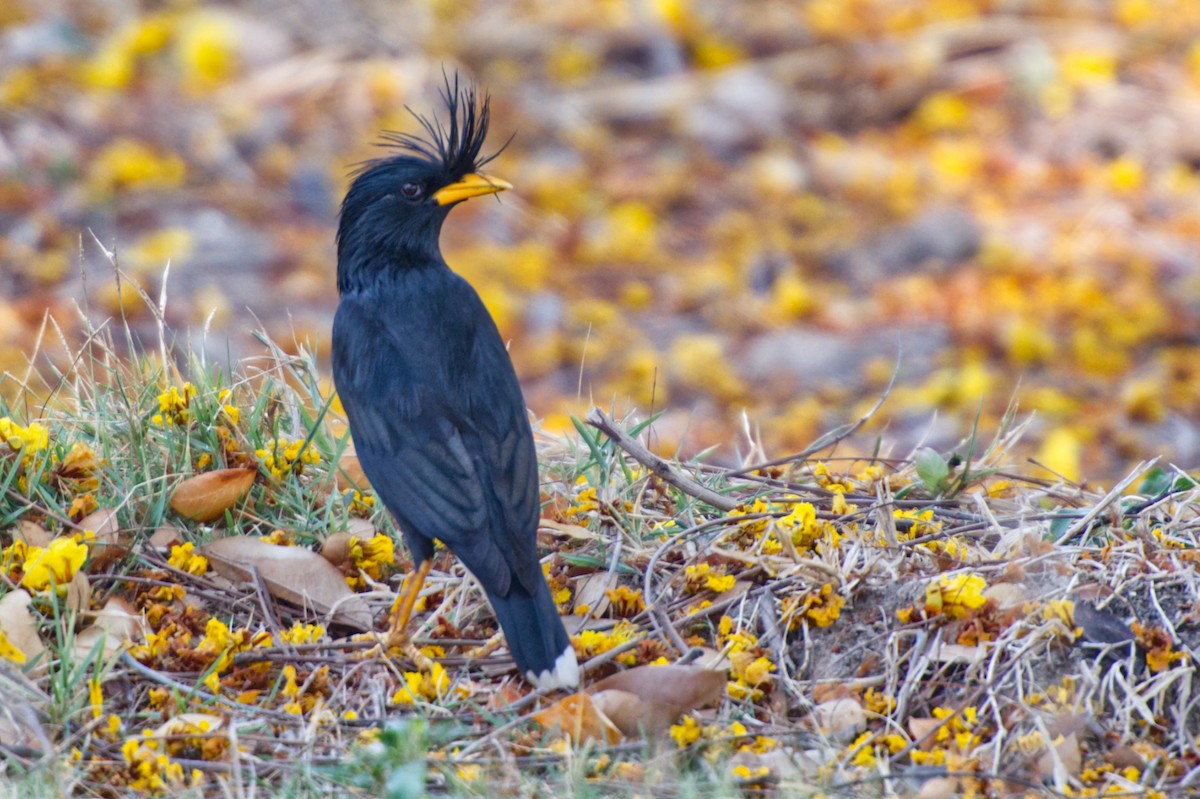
536,636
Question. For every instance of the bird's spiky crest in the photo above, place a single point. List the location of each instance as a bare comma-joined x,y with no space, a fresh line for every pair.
457,144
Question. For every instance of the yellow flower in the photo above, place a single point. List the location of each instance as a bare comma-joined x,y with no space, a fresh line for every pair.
744,772
78,468
219,640
840,507
1062,452
95,698
942,112
184,559
58,563
281,457
372,555
960,594
878,702
695,575
720,583
761,745
231,412
206,49
429,686
1082,67
1062,610
757,671
822,608
113,65
626,601
300,633
34,436
127,163
361,505
82,505
173,406
217,637
686,732
919,523
9,651
562,595
701,576
149,770
751,673
586,502
802,526
827,480
369,558
590,643
865,756
291,688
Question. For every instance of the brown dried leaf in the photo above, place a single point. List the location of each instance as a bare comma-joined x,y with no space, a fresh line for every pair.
1066,752
578,718
662,694
19,627
336,547
207,496
361,528
1123,757
79,592
920,728
569,530
588,589
626,712
165,535
350,474
938,788
840,719
118,624
958,653
102,522
711,659
188,724
1006,595
105,557
294,574
32,533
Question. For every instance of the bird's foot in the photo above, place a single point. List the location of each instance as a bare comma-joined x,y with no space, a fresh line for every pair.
395,638
422,661
389,644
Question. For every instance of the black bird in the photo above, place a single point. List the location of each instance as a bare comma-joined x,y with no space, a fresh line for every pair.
437,415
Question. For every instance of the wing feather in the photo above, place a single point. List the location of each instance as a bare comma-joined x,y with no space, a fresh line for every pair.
440,426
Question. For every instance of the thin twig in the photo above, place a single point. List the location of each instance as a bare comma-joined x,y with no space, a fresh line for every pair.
660,467
1112,496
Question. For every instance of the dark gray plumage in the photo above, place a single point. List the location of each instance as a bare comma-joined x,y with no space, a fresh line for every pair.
435,409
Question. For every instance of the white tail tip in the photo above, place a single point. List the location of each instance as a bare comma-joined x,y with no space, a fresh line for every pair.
565,673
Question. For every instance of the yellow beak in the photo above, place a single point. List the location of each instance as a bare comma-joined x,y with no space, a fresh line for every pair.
472,185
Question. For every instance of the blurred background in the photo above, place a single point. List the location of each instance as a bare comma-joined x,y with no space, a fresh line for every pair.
742,214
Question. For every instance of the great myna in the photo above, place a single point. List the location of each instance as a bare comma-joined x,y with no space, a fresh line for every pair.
435,410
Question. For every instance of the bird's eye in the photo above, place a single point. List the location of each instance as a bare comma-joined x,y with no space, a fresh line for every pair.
411,191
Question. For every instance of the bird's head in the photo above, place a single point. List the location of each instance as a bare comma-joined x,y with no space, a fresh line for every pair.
393,212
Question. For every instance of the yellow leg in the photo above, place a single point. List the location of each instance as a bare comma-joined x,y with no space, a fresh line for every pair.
403,607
